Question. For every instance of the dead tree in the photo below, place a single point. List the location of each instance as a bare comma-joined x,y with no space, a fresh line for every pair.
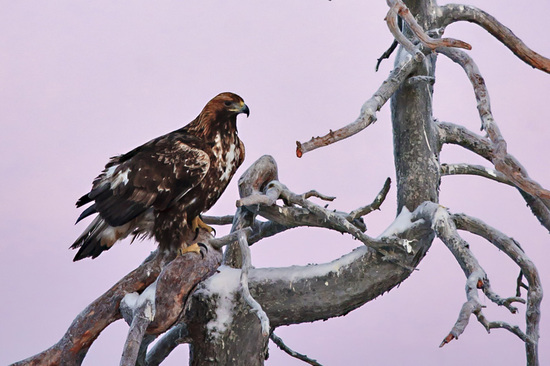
228,313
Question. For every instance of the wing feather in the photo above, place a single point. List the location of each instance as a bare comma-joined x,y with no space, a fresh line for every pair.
156,174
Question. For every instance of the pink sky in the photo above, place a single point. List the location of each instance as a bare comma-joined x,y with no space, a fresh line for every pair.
82,81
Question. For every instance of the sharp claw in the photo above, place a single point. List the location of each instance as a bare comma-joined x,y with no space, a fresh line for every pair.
203,247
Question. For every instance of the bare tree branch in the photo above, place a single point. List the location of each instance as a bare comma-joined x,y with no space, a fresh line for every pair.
512,171
99,314
279,342
256,308
217,220
142,308
451,13
177,335
468,169
397,7
368,111
446,230
534,294
454,134
375,205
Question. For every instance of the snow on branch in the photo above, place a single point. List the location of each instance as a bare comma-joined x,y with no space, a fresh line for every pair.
451,13
444,226
141,311
312,214
367,116
255,307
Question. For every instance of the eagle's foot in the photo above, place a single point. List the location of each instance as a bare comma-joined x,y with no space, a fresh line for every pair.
197,224
198,248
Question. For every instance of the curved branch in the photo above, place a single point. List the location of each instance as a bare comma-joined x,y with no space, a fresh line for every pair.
454,134
174,337
279,342
397,7
451,13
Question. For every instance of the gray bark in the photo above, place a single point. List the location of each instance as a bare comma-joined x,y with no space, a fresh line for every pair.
301,295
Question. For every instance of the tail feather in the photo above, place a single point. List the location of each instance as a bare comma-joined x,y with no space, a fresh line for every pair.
94,240
87,212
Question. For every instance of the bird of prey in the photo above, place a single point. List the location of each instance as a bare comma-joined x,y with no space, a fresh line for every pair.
160,188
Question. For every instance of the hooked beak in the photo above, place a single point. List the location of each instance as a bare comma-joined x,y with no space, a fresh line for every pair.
244,109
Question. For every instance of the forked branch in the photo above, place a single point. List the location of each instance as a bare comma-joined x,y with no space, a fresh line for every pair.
445,228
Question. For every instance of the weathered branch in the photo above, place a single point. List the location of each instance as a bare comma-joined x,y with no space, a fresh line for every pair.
397,7
279,342
72,348
177,335
368,111
468,169
375,205
217,220
446,230
512,171
142,308
534,293
454,134
451,13
245,291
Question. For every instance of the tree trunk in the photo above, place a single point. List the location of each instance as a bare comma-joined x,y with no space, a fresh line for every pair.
416,160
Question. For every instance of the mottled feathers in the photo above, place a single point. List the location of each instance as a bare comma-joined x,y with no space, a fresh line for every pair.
158,188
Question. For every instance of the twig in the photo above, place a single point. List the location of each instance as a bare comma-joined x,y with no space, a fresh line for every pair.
314,193
392,48
279,342
218,220
457,169
368,111
254,305
451,13
375,205
232,237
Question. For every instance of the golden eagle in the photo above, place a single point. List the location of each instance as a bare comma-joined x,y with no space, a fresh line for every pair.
160,188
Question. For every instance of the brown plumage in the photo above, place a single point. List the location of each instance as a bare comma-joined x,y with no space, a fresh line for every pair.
159,188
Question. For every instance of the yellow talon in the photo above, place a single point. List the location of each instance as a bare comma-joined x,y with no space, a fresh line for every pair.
195,248
198,223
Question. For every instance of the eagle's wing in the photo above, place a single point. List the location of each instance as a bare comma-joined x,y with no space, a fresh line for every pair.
156,175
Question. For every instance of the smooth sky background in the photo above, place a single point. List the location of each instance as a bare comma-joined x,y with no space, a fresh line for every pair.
83,81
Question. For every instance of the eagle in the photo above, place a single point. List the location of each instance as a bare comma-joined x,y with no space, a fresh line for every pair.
160,188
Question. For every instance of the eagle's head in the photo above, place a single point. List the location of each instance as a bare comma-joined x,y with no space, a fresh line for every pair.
219,115
227,105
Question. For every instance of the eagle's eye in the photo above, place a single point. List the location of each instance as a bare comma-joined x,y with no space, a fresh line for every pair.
227,103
